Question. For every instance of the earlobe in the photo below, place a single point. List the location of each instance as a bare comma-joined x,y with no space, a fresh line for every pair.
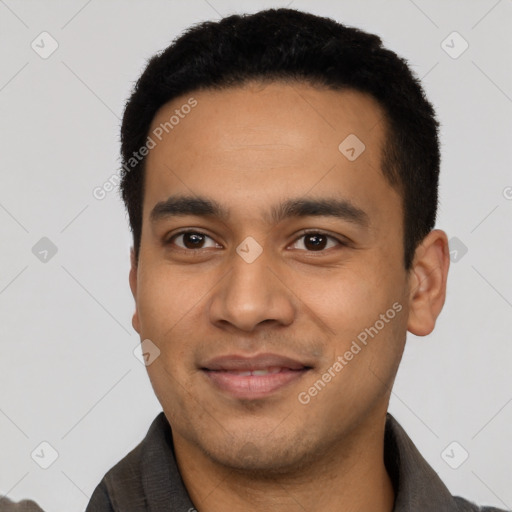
428,283
133,288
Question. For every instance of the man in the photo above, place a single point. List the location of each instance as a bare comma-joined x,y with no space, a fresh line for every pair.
280,172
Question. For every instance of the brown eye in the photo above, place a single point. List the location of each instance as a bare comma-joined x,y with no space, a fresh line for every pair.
316,241
191,240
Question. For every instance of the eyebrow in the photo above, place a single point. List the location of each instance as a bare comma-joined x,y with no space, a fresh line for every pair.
343,209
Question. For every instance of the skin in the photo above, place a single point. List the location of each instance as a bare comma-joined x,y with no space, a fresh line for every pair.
250,148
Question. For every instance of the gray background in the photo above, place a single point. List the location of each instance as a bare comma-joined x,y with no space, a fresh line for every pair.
68,375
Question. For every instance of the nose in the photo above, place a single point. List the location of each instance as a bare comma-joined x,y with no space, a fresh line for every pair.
251,294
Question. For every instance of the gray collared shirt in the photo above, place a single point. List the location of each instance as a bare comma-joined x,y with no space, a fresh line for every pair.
147,479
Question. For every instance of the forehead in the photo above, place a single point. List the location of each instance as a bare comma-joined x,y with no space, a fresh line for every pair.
236,116
262,137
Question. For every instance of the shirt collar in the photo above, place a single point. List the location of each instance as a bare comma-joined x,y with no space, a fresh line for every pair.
417,486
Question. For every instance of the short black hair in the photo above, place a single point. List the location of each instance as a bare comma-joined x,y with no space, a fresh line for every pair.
290,45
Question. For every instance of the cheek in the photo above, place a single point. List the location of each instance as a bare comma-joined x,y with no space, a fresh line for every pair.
366,318
164,300
346,301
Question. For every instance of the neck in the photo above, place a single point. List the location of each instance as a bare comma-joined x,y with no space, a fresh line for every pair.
351,476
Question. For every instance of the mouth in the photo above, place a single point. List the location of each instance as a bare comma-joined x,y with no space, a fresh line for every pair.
254,377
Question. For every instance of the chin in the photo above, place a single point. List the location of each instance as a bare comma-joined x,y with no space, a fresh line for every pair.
260,456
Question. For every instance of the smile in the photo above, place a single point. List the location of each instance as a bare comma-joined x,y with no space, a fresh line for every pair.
254,377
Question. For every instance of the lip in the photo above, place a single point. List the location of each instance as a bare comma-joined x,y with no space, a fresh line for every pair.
233,375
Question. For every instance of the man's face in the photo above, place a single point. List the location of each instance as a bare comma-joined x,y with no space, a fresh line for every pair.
248,311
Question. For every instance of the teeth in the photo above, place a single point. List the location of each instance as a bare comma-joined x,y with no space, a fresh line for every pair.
266,371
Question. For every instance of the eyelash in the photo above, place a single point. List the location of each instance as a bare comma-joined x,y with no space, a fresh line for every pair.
302,235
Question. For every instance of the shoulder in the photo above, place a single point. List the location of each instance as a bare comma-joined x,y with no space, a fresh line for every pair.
419,486
123,486
464,505
6,505
122,482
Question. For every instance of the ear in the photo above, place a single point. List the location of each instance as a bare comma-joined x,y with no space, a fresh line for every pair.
133,288
427,282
